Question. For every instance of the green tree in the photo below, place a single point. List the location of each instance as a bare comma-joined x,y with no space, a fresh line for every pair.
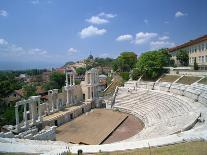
125,75
29,90
125,62
150,64
80,70
57,81
135,74
8,84
195,65
182,57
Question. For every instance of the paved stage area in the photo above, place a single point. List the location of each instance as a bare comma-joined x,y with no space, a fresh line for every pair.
91,128
130,127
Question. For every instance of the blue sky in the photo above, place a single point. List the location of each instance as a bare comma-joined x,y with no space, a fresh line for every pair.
48,33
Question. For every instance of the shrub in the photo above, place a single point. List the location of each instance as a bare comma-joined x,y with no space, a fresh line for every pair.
125,75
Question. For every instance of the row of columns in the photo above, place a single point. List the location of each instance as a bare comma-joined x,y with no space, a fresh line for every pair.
53,101
92,92
32,102
91,78
72,79
67,87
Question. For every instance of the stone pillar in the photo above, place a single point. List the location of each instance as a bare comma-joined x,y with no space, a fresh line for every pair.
17,117
91,92
73,79
70,80
89,95
66,80
67,102
52,99
25,115
32,112
39,111
57,103
91,79
94,91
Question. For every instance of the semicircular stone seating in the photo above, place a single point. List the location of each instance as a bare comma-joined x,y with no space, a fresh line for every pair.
163,113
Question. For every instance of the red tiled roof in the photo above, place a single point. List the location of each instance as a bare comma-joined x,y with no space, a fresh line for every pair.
191,42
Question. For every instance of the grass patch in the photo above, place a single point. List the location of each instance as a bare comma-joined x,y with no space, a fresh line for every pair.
169,78
188,79
203,81
189,148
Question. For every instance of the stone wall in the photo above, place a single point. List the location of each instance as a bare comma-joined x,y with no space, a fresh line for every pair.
66,117
193,73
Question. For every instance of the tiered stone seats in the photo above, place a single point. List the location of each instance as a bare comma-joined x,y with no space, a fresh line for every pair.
145,85
46,134
164,86
162,113
178,88
130,84
202,90
6,135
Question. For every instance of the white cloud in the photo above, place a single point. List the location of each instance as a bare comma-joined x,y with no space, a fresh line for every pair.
101,18
166,22
161,44
12,50
37,51
97,20
107,15
146,21
3,41
126,37
143,37
164,38
179,14
72,51
3,13
35,2
91,31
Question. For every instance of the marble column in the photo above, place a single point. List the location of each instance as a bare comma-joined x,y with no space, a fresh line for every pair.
17,117
25,115
39,111
91,93
73,79
70,80
91,79
67,91
52,99
66,80
57,103
33,112
94,92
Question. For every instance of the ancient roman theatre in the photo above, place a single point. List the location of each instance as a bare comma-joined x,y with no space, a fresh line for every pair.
139,114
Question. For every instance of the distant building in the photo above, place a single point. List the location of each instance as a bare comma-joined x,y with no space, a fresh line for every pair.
14,96
78,65
46,76
60,70
197,49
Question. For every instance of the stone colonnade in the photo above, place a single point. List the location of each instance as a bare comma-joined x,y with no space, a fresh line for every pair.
52,104
34,110
68,87
91,80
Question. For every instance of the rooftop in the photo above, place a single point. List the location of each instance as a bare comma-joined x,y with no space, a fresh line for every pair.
189,43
